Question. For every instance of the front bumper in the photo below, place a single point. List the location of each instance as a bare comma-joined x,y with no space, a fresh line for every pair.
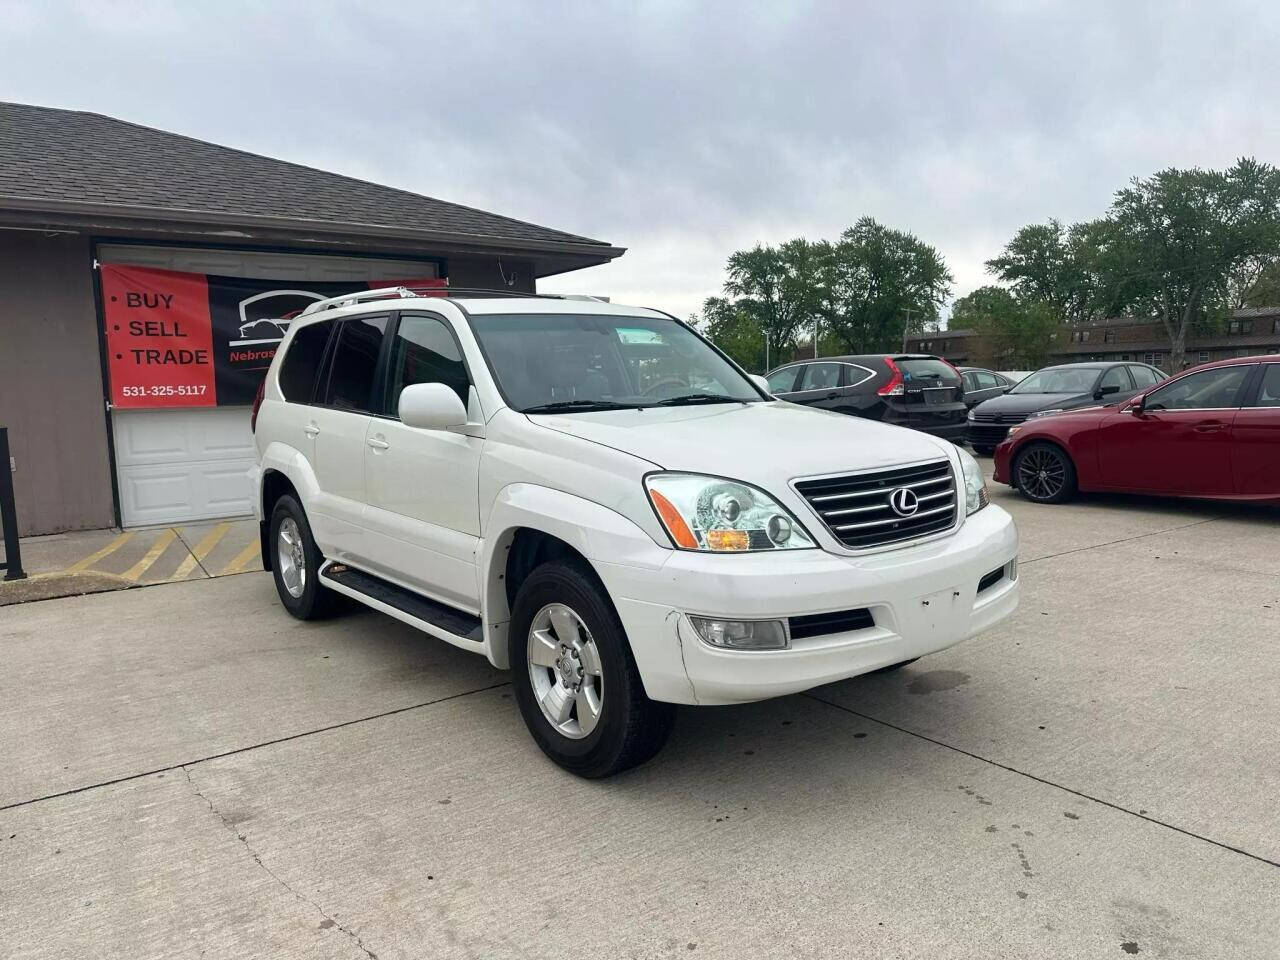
923,598
987,434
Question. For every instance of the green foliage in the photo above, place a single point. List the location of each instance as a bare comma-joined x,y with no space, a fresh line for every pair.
1017,330
1060,267
734,329
778,288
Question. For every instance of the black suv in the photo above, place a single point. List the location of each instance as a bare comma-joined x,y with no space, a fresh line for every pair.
907,390
1054,389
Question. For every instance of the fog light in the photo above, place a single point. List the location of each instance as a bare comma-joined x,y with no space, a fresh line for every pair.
742,634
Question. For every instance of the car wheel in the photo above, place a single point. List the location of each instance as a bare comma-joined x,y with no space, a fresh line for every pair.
1045,474
983,450
295,561
575,680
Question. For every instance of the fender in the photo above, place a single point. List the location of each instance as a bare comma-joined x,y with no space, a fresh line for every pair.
286,460
600,534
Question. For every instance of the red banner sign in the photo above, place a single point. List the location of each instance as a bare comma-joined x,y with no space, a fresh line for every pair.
179,339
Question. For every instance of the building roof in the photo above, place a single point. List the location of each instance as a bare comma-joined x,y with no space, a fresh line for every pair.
67,161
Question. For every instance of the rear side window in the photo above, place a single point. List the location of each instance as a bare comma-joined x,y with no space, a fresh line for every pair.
782,381
355,363
821,376
1144,376
302,363
424,351
987,381
927,371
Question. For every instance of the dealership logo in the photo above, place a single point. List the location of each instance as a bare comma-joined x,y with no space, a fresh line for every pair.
904,502
265,317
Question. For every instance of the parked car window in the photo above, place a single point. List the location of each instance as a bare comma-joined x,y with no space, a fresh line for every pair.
782,381
926,370
970,380
987,381
1269,395
1117,377
424,351
355,363
1210,389
1144,376
1059,380
302,363
821,376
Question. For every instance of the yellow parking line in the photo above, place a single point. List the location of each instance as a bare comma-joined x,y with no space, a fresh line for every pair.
242,559
202,550
135,572
82,565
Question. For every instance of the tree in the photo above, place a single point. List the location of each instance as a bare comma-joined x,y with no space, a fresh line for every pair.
777,286
734,329
1060,267
1017,330
877,284
1180,237
1255,283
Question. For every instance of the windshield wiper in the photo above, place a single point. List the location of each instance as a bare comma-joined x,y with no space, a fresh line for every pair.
691,398
580,405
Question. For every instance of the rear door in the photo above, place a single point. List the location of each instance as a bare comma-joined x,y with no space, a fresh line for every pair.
1255,437
1181,442
337,425
819,385
932,393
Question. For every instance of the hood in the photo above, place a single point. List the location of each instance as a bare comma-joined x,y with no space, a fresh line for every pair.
1031,402
766,444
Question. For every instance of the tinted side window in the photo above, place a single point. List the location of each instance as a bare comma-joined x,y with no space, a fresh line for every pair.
821,376
782,381
1144,376
355,363
1117,377
424,351
987,381
1200,391
302,363
1269,395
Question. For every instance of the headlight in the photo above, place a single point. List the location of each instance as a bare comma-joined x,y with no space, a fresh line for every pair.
722,516
972,415
975,484
1045,413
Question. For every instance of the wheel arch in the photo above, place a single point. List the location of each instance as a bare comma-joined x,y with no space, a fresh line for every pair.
1039,441
282,471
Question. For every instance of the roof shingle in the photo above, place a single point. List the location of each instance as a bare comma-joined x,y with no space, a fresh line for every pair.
69,156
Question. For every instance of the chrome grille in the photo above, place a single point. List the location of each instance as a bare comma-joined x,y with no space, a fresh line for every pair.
999,417
855,507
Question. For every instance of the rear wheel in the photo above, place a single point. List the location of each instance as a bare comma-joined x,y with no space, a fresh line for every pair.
295,562
575,680
1045,474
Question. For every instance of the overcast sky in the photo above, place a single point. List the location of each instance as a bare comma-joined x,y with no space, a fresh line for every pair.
685,131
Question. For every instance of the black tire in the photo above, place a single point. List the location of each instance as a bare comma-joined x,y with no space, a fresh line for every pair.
631,728
1043,473
982,450
314,602
894,666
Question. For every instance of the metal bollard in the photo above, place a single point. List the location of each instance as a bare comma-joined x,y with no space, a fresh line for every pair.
12,565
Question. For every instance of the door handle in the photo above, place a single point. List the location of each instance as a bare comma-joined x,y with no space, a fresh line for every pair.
832,395
1212,427
378,444
311,430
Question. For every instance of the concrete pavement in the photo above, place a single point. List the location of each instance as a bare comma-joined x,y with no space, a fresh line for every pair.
190,772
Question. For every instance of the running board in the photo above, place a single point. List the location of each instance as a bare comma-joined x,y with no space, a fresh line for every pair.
438,619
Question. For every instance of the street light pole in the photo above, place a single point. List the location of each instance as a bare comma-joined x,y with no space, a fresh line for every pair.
906,326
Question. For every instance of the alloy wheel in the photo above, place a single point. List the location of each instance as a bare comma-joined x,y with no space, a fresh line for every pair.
1041,474
292,557
564,667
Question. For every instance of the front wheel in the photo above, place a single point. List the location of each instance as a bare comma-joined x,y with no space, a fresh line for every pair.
575,680
1045,474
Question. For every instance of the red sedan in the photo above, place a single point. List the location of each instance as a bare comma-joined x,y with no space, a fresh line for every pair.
1213,431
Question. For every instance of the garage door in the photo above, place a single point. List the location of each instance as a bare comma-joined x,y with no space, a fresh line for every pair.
183,465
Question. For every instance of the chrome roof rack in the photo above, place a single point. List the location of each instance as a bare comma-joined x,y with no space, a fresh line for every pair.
359,296
432,293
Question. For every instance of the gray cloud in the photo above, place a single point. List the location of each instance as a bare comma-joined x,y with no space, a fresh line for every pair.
685,131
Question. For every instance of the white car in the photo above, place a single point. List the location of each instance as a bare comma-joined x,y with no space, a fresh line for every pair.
596,498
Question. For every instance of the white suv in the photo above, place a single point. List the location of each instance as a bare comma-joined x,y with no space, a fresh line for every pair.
595,497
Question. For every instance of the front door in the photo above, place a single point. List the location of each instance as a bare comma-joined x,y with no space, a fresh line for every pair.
1255,438
423,514
337,425
1181,441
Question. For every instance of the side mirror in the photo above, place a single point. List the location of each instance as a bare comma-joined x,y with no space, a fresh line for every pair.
431,406
1106,391
1137,404
761,382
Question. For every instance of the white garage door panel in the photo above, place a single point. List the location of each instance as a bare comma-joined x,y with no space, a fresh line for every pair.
182,465
175,466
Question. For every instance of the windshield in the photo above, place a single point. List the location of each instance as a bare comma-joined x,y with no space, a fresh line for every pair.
554,362
1059,380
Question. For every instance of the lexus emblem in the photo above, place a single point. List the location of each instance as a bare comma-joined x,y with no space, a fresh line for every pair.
904,502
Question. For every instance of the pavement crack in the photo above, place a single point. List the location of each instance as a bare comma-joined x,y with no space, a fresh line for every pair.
1141,815
1108,543
192,553
328,920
